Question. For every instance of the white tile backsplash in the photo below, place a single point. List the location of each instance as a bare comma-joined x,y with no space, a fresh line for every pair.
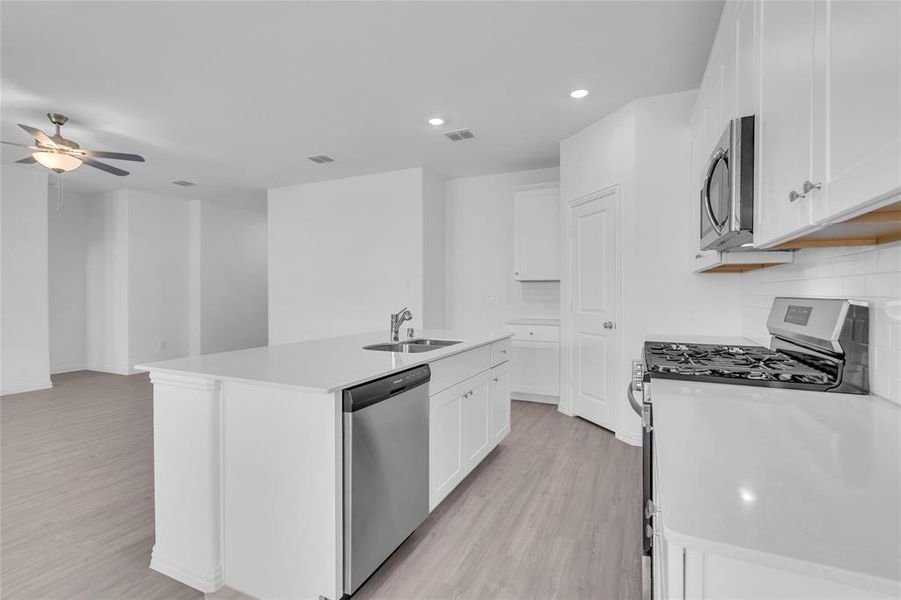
539,299
871,273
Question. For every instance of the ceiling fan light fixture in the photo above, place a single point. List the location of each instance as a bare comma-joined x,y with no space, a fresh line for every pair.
57,161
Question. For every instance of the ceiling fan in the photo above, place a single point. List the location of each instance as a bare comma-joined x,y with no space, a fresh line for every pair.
60,155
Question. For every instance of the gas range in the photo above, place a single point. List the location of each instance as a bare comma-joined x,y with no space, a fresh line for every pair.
817,344
747,365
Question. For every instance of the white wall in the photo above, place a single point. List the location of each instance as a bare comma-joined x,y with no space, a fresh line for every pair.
169,276
24,324
480,254
344,254
863,273
434,248
158,277
644,147
106,301
68,237
234,278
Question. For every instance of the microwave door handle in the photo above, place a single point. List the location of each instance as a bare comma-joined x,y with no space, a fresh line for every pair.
720,154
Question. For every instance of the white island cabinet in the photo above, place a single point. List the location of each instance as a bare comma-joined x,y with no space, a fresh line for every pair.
248,453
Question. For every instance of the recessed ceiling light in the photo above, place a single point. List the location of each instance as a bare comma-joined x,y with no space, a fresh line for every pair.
578,94
436,121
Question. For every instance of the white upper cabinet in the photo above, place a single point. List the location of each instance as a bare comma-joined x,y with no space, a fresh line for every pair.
861,75
784,123
536,233
830,114
824,80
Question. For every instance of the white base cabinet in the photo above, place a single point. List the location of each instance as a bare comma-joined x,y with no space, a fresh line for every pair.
686,574
536,349
468,419
499,393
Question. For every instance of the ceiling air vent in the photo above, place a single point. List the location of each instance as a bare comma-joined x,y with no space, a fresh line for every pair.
183,183
460,134
321,158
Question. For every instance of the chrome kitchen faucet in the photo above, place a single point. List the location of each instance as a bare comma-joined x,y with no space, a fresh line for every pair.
398,319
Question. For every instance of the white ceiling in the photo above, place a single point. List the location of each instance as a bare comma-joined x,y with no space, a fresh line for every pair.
234,95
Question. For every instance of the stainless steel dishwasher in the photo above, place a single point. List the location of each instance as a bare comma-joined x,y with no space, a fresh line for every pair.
386,469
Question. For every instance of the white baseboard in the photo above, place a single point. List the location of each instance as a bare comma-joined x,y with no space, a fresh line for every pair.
205,582
113,370
31,386
68,368
535,398
565,410
631,439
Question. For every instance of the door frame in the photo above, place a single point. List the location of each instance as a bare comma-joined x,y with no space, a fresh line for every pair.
566,405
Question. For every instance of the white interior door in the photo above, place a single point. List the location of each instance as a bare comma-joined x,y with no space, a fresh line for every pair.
594,306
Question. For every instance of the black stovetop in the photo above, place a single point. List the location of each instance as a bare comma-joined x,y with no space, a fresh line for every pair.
744,365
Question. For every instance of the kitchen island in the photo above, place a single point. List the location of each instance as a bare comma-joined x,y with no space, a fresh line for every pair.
248,453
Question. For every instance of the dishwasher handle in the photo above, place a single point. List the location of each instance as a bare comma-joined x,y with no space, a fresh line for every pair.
373,392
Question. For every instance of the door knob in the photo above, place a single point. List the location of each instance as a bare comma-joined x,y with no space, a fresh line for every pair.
608,324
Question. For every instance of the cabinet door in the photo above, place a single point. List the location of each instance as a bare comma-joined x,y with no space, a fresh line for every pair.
446,463
747,51
537,234
786,131
536,368
862,81
499,392
477,436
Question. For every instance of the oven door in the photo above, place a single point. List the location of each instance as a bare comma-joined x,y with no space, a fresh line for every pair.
716,196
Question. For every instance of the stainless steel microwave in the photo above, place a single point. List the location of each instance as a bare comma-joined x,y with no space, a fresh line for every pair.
727,193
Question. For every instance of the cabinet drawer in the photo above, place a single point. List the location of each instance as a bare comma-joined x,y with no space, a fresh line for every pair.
454,369
500,351
535,333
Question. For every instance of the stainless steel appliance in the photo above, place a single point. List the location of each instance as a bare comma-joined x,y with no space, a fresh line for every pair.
386,469
817,344
727,191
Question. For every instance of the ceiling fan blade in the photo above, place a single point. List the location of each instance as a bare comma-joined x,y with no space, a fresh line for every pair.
115,155
19,145
104,167
39,135
28,160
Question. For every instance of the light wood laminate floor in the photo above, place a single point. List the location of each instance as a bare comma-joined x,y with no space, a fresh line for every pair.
553,512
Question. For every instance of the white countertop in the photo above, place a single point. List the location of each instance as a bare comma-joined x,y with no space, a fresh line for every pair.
797,479
535,321
319,366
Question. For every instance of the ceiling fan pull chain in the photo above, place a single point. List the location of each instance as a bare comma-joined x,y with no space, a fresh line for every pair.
59,192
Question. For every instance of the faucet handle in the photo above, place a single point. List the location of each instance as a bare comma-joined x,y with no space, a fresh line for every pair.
401,311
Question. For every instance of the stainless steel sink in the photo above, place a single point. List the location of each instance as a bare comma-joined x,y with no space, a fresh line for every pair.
438,343
412,346
404,347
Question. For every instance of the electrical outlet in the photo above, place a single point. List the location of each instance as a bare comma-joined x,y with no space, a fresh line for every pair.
164,345
492,301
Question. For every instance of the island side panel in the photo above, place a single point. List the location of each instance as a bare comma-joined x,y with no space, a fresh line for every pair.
282,491
187,469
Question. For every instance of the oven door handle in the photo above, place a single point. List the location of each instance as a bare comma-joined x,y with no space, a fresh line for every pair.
720,154
636,406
